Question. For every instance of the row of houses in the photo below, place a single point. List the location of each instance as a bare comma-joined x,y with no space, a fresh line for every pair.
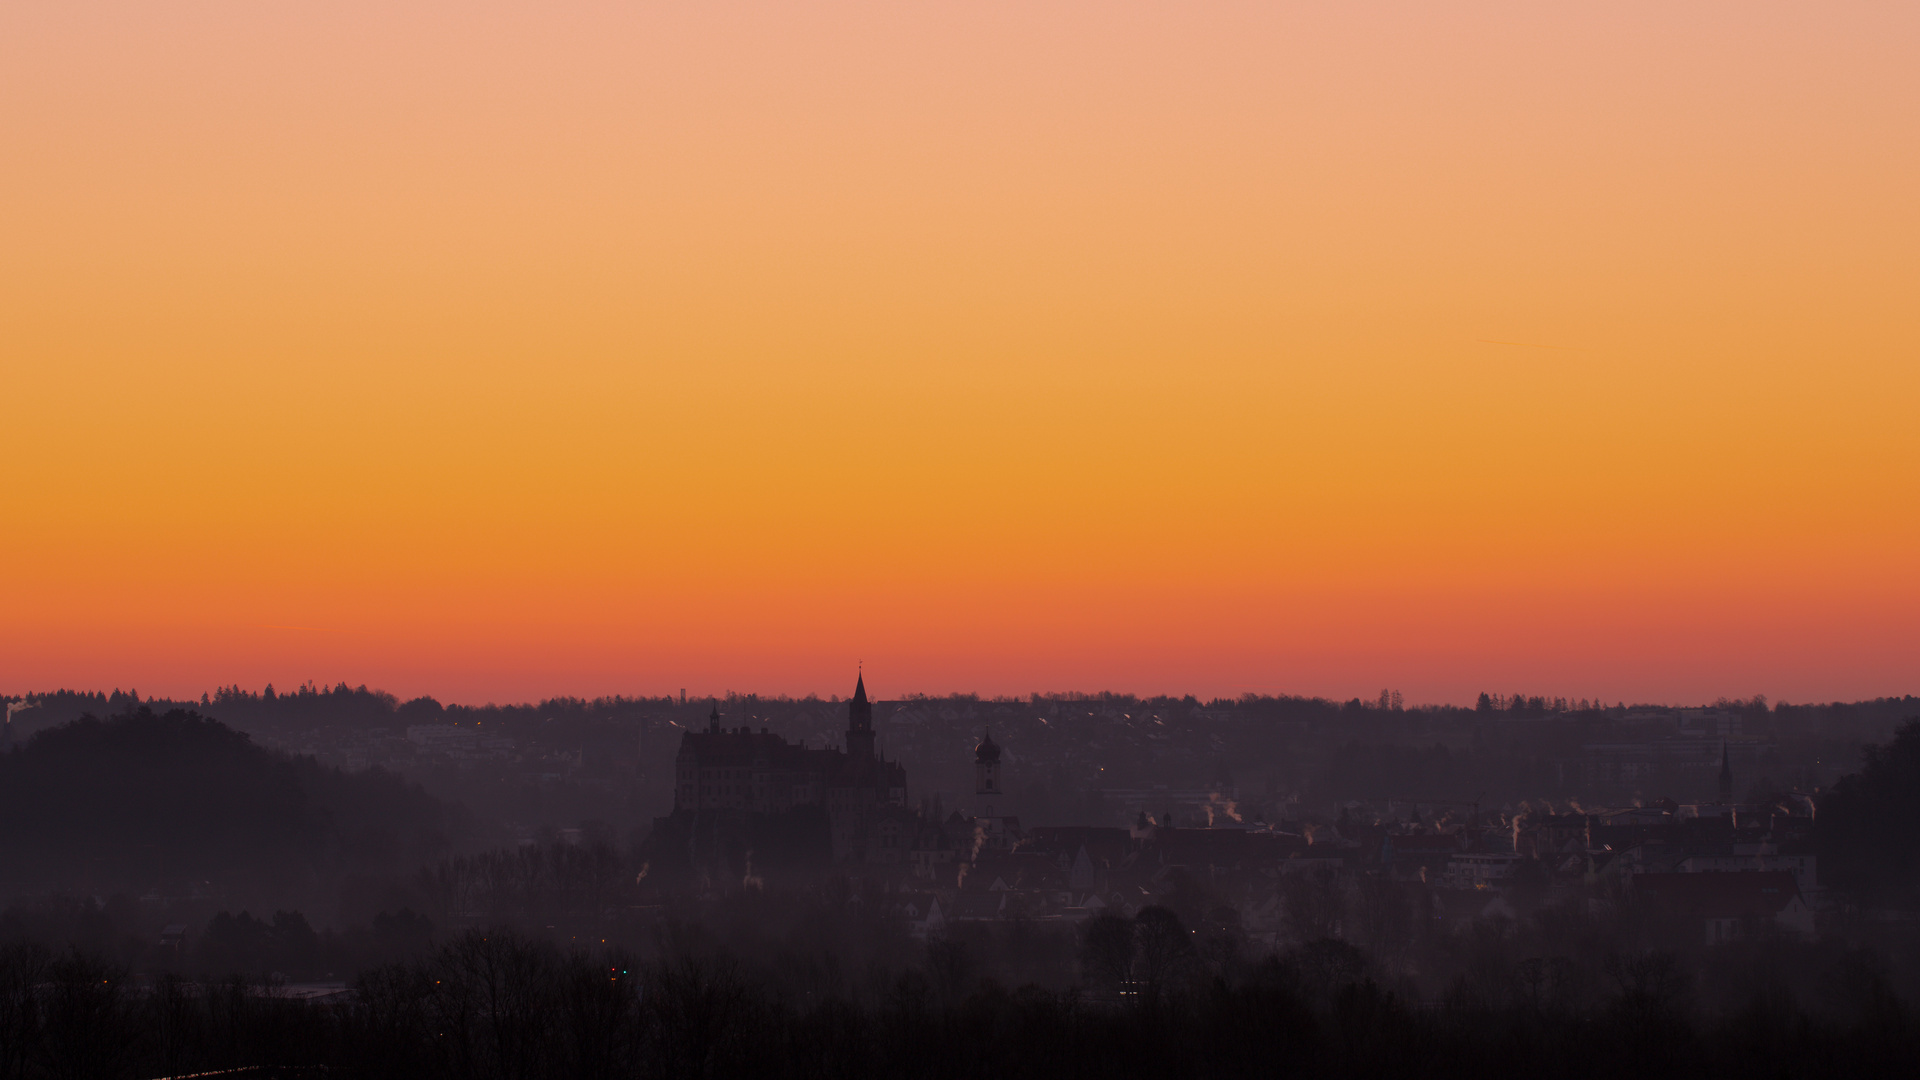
1718,873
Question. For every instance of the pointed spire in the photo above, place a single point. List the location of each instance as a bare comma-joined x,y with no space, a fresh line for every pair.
860,722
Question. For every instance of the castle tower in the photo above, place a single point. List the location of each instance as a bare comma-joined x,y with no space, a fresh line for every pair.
1726,776
986,766
860,723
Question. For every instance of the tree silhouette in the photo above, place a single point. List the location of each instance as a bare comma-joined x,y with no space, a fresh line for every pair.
1165,950
1107,950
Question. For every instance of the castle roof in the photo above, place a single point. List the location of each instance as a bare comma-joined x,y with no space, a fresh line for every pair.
744,748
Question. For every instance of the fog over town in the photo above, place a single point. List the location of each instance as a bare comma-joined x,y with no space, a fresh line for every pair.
1623,878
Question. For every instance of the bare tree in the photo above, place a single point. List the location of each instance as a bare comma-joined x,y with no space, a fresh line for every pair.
1316,904
1166,949
1107,950
22,967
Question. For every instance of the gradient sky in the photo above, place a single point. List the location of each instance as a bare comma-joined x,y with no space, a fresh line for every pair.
502,350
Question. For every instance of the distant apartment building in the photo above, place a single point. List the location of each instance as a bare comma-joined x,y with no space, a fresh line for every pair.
456,741
1681,764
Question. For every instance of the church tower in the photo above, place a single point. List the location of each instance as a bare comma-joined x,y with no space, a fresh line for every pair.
986,766
860,722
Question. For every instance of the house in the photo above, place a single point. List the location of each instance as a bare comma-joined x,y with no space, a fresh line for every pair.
923,915
1724,906
1480,869
1407,854
978,906
1802,866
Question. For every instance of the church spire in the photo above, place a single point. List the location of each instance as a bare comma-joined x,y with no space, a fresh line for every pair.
860,721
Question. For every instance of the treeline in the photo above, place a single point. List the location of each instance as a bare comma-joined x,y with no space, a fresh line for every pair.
1869,825
496,1004
264,948
312,705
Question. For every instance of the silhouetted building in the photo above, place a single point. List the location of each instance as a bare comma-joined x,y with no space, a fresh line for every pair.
986,766
739,769
1711,908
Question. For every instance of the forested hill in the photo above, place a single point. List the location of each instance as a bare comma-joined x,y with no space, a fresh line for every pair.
178,805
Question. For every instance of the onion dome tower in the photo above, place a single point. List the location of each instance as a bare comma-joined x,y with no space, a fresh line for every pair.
986,766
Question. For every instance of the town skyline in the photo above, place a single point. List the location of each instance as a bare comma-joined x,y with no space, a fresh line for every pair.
964,539
1467,699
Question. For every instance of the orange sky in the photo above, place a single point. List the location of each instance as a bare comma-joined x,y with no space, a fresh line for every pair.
502,350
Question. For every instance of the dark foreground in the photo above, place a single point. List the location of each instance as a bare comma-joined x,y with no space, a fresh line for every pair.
497,1005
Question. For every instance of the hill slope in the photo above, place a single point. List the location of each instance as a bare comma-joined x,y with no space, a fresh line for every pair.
178,804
